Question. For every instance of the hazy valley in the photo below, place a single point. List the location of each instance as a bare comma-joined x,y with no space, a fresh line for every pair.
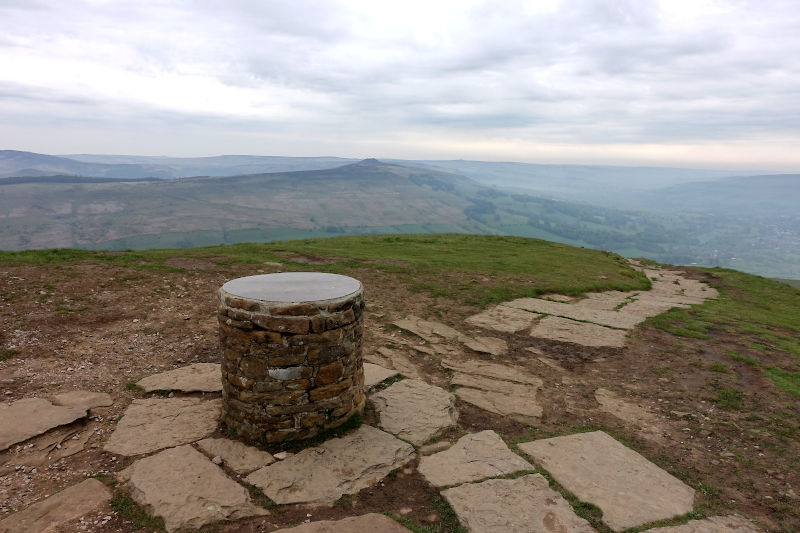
679,216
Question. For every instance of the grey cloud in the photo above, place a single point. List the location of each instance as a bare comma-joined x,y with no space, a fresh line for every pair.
589,71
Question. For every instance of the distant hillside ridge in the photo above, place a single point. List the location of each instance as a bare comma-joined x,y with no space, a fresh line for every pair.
765,195
15,163
370,197
67,179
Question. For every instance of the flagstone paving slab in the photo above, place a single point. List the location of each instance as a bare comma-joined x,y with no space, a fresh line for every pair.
523,505
152,424
475,456
414,410
236,455
186,489
629,412
494,385
503,319
523,409
83,399
628,488
372,523
47,515
714,524
375,374
324,473
492,370
614,319
429,330
399,361
199,377
583,333
490,345
26,418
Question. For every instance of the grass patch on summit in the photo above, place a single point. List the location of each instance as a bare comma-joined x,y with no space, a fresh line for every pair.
474,269
761,311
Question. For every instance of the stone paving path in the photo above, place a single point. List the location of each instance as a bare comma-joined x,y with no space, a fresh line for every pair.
490,486
599,320
188,489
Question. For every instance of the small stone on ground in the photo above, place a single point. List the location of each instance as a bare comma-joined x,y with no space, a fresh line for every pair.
152,424
523,505
199,377
372,523
414,410
236,455
324,473
83,399
374,374
65,506
597,469
187,490
714,524
29,417
475,456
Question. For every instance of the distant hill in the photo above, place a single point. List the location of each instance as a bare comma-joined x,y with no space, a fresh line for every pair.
615,186
223,165
770,195
362,197
14,163
377,197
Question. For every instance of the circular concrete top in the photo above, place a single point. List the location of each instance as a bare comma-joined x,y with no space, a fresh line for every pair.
293,287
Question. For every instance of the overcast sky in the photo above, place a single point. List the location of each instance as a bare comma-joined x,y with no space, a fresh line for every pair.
677,82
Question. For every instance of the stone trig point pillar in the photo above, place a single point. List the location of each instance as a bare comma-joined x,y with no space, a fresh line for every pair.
291,362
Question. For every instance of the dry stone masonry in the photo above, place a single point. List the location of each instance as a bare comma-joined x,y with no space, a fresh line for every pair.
292,361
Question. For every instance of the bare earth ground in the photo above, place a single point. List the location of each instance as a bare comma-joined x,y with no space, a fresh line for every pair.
99,327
